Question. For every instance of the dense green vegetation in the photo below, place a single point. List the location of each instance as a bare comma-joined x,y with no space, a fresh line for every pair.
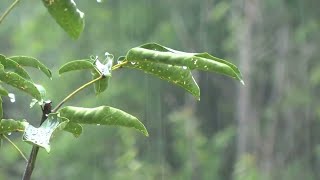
267,129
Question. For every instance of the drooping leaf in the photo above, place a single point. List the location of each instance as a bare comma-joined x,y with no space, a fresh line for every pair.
31,62
102,84
159,54
174,74
102,115
76,65
3,91
74,128
10,65
11,125
41,136
18,82
67,15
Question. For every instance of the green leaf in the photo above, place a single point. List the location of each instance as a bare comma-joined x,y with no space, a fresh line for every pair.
41,136
31,62
3,91
1,109
102,84
74,128
18,82
10,65
42,91
67,15
76,65
102,115
11,125
203,61
174,74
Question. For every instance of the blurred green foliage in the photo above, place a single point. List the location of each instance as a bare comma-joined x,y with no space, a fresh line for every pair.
188,139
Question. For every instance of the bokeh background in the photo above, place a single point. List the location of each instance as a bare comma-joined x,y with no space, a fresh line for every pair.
268,129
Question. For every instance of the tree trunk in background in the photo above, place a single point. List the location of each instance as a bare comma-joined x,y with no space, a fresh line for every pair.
247,131
268,162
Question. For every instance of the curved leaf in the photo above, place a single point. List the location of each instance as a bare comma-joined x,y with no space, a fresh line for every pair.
3,91
74,128
10,65
202,61
100,85
31,62
76,65
18,82
102,115
67,15
11,125
174,74
42,135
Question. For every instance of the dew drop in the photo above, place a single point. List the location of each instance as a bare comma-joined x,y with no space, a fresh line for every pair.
12,97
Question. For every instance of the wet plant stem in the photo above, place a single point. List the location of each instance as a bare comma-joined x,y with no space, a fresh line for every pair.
8,10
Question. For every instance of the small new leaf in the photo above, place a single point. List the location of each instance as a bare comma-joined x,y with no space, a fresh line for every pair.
102,115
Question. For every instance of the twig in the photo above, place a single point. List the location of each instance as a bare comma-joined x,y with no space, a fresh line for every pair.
9,10
16,147
75,92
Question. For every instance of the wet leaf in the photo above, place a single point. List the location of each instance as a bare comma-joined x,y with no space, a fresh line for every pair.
102,115
1,109
74,128
202,61
76,65
18,82
31,62
10,65
102,84
11,125
42,135
67,15
174,74
3,91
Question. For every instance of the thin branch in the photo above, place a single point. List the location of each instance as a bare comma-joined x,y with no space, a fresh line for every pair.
16,147
9,10
75,92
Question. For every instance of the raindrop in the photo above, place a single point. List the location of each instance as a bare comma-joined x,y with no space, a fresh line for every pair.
9,133
12,97
184,67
